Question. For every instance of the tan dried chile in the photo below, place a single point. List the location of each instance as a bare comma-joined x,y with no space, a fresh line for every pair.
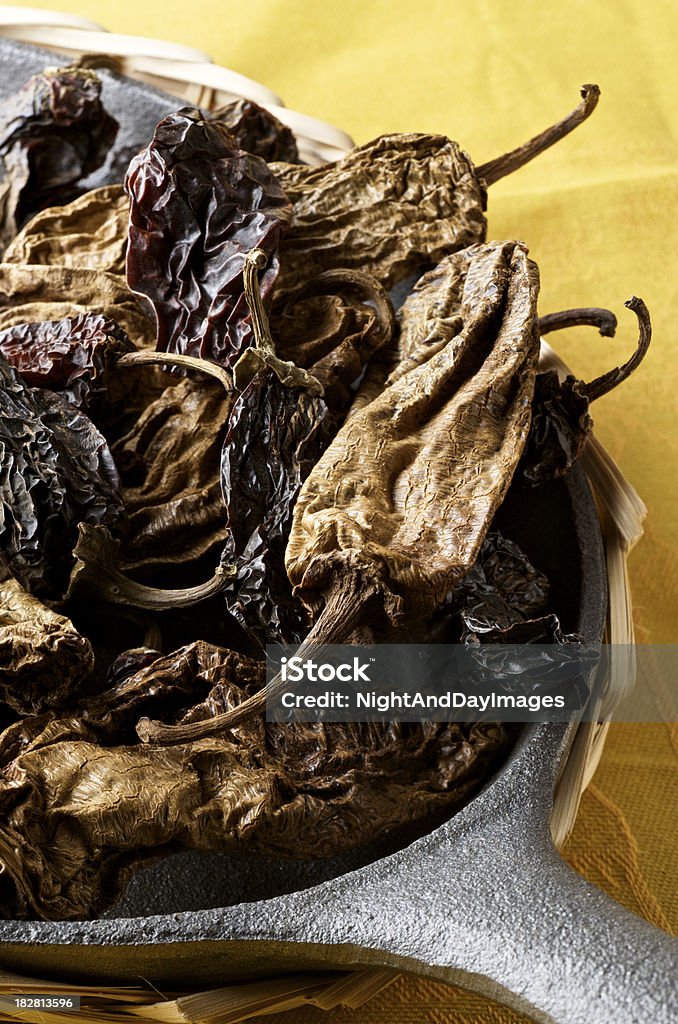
29,294
428,319
430,316
89,233
43,658
79,816
332,327
387,208
97,573
71,259
170,474
395,511
398,204
407,490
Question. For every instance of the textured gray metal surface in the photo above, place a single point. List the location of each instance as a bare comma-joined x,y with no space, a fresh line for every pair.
483,900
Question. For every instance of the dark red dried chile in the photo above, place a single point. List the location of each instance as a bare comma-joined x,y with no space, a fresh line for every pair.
257,131
53,133
75,356
198,206
55,471
274,438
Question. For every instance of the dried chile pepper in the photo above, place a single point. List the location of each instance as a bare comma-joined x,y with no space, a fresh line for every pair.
57,473
89,233
332,327
301,791
198,205
257,131
365,212
186,682
501,588
192,681
70,261
170,477
76,255
278,427
502,599
43,658
53,133
97,571
275,436
394,513
561,422
31,294
76,356
543,630
430,317
453,427
397,205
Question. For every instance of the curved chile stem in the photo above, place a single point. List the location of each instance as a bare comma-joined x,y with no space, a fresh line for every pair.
498,168
346,607
174,360
96,573
256,260
607,381
168,735
590,316
357,283
118,588
262,354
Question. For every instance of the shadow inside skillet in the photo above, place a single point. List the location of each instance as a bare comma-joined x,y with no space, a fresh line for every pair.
557,527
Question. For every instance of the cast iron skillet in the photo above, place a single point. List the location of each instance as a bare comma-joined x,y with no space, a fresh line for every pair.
483,900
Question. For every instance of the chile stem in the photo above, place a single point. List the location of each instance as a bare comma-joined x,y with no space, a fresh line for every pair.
256,260
261,356
96,574
607,381
347,606
498,168
590,316
175,360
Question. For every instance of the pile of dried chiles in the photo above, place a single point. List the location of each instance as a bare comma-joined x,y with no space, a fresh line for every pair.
217,432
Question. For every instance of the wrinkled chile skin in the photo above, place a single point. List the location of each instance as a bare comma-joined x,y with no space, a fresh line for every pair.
198,205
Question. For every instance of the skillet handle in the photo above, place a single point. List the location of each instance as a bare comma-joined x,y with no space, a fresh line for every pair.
564,952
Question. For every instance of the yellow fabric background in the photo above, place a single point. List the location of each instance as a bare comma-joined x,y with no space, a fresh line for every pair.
600,215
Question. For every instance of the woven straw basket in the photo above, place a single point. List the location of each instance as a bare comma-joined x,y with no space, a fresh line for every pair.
193,78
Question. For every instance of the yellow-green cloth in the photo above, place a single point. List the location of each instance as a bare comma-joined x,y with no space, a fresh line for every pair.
600,215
